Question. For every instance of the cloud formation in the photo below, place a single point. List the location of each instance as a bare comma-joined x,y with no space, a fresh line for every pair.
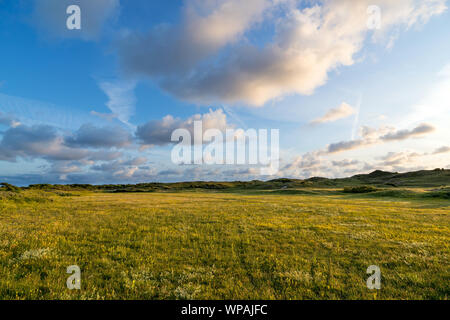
325,165
86,145
440,150
36,141
371,136
398,158
158,132
406,134
99,137
343,111
345,163
121,167
210,57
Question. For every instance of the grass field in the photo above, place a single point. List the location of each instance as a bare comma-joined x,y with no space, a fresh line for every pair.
217,245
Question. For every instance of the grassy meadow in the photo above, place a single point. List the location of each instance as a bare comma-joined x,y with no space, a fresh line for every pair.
203,244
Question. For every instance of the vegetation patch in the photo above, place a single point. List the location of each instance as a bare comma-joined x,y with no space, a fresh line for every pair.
8,187
395,193
360,189
442,193
25,197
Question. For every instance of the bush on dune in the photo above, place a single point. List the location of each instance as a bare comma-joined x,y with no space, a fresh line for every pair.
8,187
25,197
360,189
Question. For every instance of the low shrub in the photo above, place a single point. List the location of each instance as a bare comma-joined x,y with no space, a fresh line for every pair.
360,189
9,187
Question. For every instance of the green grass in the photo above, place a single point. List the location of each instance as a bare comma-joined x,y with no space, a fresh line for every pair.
277,244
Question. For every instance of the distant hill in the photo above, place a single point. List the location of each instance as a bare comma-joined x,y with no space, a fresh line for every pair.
423,178
378,178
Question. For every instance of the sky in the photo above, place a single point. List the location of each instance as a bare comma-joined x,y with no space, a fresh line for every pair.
351,86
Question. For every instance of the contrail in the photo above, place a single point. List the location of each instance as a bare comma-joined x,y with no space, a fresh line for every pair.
356,121
234,116
31,112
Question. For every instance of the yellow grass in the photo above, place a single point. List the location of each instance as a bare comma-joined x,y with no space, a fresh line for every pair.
205,245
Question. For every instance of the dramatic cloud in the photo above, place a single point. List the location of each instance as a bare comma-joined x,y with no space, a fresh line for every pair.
46,142
370,136
158,132
210,56
69,159
98,151
440,150
50,16
406,134
206,27
34,142
99,137
343,111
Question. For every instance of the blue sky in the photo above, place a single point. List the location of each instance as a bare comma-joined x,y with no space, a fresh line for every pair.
91,105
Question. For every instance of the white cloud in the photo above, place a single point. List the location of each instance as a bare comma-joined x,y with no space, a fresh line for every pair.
206,27
406,134
210,58
343,111
158,132
440,150
371,136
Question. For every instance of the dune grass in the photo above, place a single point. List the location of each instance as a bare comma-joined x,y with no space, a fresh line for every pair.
212,245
